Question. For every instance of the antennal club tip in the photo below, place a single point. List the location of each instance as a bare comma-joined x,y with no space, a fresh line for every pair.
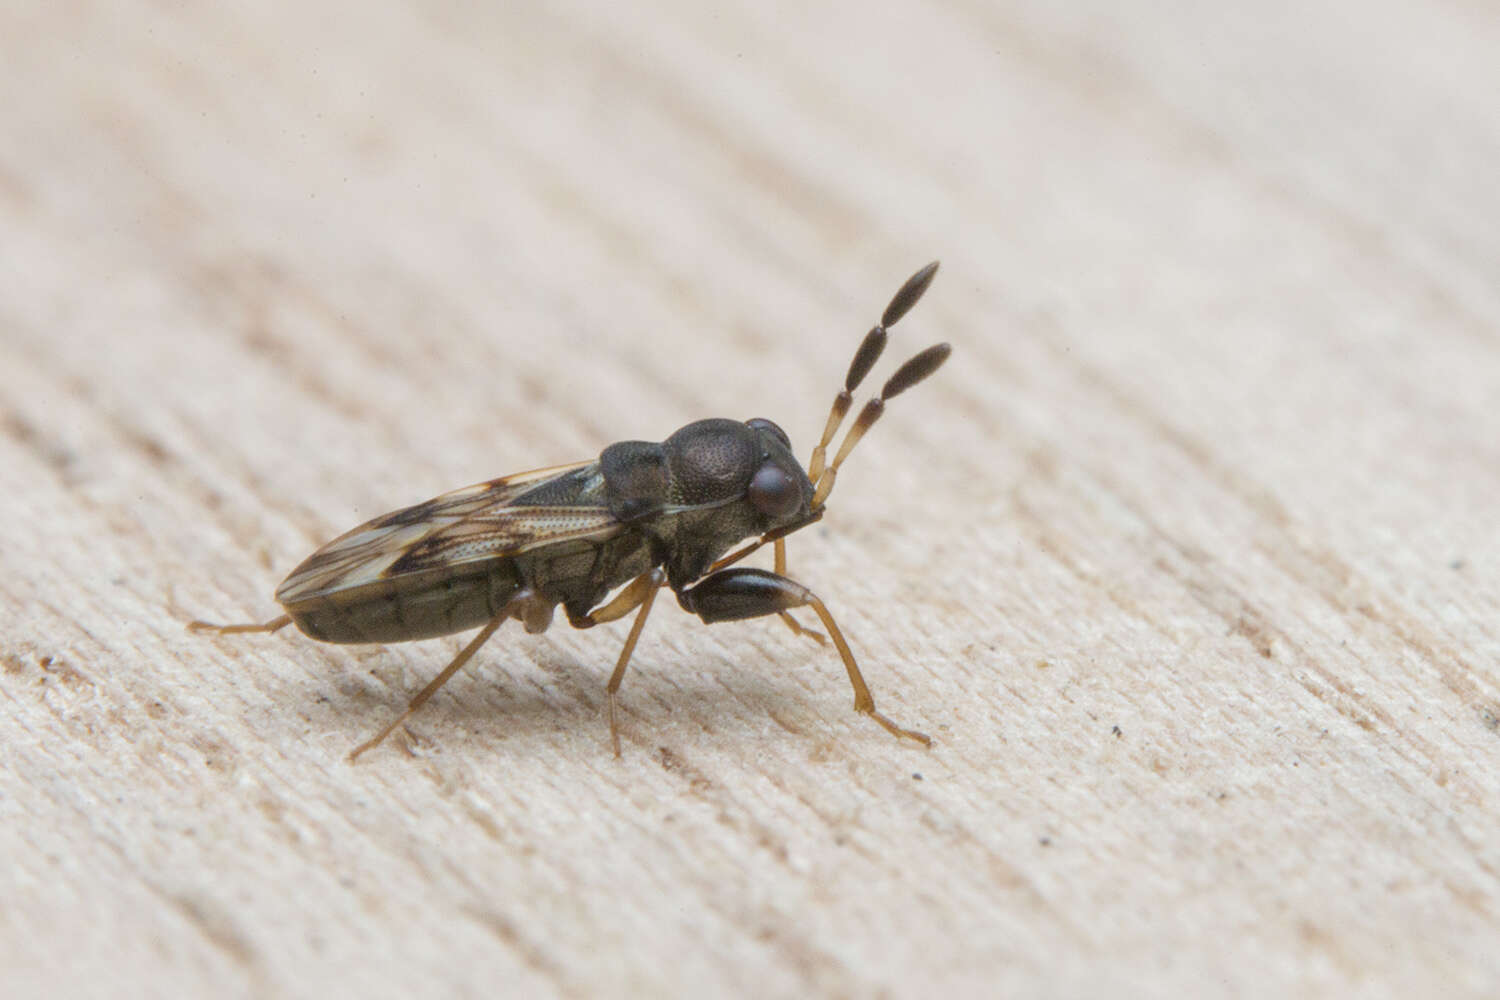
916,369
819,469
908,295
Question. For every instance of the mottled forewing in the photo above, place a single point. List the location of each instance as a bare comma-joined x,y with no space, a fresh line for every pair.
456,530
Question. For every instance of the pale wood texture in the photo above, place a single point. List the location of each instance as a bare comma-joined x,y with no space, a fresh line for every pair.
1188,560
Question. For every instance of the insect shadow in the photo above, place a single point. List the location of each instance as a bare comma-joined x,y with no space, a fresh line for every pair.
643,515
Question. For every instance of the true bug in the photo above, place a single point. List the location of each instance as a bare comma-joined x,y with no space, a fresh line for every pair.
641,515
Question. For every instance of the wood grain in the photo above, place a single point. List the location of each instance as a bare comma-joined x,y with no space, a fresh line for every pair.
1188,560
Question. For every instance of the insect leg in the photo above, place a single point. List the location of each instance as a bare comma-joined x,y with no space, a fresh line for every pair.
780,550
743,592
641,593
635,593
437,682
271,626
786,616
620,664
770,536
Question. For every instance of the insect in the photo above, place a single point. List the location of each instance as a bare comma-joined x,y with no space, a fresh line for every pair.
641,516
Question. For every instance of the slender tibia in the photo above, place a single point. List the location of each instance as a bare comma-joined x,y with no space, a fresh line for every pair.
437,682
863,700
742,592
653,581
273,625
791,622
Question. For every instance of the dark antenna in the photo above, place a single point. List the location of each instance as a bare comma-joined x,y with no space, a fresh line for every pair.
908,375
864,359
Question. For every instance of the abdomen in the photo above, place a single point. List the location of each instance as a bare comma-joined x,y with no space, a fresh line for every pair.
399,611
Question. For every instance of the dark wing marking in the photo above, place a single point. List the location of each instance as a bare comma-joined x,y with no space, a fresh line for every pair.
470,525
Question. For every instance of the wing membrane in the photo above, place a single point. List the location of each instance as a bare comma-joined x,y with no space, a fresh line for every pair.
462,528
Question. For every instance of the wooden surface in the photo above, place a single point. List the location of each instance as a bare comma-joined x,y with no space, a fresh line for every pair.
1188,560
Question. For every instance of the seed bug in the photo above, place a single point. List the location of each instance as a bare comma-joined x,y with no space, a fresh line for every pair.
641,516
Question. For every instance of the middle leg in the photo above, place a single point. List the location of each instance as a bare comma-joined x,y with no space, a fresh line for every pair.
640,592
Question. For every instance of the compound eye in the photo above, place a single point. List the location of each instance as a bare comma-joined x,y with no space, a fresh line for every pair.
762,424
774,493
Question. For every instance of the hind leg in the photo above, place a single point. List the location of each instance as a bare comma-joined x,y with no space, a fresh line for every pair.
274,625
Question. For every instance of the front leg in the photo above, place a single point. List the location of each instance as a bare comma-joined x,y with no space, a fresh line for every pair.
742,592
786,616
